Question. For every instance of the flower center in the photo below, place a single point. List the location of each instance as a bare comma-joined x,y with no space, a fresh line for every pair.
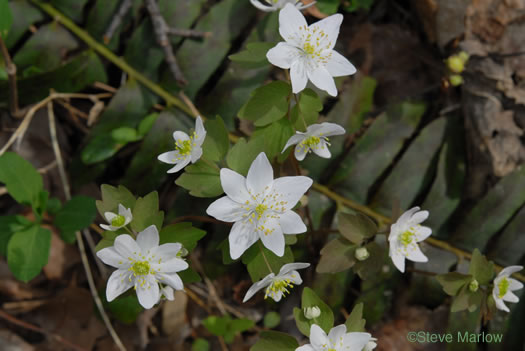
311,141
503,287
406,238
118,221
309,48
184,147
141,268
278,285
260,210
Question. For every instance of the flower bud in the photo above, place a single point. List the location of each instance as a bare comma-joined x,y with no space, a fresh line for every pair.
312,312
456,80
182,252
473,286
456,64
463,56
362,254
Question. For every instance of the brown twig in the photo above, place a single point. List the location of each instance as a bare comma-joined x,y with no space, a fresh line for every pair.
117,20
6,316
80,241
161,30
188,33
11,74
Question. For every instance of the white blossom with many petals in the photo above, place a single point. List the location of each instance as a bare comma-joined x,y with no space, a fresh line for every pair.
314,139
260,206
308,51
404,236
277,285
187,148
504,286
143,264
336,340
117,221
275,5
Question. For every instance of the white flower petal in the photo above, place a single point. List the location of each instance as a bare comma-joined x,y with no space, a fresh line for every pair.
234,185
165,252
422,233
291,189
514,284
510,270
258,286
293,276
356,341
301,152
241,237
262,7
414,254
291,223
180,165
179,136
338,65
171,265
418,217
318,337
108,227
405,217
510,297
277,295
111,257
330,26
501,305
398,260
290,21
306,347
322,149
292,266
170,157
298,76
274,239
336,333
325,129
200,132
172,280
110,216
294,139
196,154
126,246
323,80
260,175
283,55
167,292
225,209
118,283
148,238
149,294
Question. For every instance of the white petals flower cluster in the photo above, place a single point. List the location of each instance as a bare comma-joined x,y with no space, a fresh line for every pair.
308,51
404,236
143,264
504,287
314,139
336,340
187,148
277,285
117,221
275,5
260,206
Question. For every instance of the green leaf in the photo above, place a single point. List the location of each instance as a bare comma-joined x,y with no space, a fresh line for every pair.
189,276
453,282
371,267
200,344
271,319
8,226
76,214
238,326
28,252
328,7
183,233
25,14
307,110
146,212
216,144
492,212
256,264
125,308
254,55
243,153
336,256
356,228
71,9
217,325
355,321
112,197
125,135
275,341
359,5
6,18
375,150
22,180
108,239
480,268
510,246
461,301
274,138
268,104
325,320
146,124
201,179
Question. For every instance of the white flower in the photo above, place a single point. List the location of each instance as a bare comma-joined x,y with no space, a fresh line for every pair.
119,220
336,340
361,253
274,5
308,51
187,148
277,285
404,236
143,264
370,345
260,206
312,312
315,139
503,287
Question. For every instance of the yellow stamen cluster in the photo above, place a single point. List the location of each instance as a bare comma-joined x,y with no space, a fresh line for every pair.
278,285
503,287
314,43
118,221
263,207
185,147
406,238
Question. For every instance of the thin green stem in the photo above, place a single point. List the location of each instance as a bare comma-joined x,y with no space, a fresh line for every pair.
129,231
264,257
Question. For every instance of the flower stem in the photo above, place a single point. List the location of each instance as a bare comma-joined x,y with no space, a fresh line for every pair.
264,257
129,231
